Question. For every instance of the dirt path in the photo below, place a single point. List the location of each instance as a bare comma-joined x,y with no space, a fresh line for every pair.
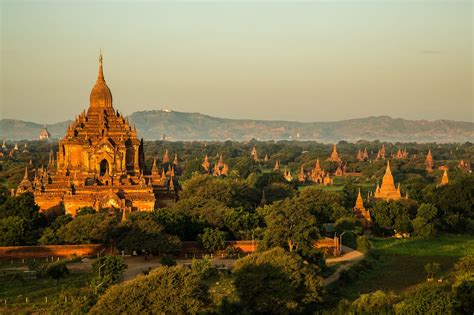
350,258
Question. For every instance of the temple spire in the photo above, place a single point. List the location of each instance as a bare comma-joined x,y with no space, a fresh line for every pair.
100,77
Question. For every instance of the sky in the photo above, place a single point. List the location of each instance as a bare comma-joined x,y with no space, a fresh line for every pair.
285,60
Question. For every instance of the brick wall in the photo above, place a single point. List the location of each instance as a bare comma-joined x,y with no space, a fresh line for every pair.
10,252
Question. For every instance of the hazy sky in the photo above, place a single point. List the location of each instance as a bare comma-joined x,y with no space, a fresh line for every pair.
291,60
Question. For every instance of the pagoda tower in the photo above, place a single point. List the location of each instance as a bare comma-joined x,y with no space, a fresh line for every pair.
206,164
361,212
444,179
99,163
254,153
334,157
388,191
429,162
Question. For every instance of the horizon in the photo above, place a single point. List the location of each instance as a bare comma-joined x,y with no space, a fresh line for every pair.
251,119
303,61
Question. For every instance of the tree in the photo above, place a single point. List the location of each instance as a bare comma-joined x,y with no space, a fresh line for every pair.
57,269
276,282
364,245
86,210
245,166
25,208
212,240
106,270
166,290
141,231
423,224
88,228
12,231
290,225
377,302
427,299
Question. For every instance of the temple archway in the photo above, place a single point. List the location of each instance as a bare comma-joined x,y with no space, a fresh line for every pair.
104,167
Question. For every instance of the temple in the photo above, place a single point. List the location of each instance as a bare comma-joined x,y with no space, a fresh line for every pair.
362,155
361,212
444,179
334,157
44,134
254,154
429,162
221,168
388,191
100,164
381,153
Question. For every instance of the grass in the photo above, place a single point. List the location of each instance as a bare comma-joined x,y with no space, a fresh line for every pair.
15,291
444,245
400,265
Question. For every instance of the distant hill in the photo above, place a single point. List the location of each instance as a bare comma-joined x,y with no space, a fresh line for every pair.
152,125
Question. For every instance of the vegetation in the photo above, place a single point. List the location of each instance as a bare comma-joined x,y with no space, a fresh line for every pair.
173,290
254,202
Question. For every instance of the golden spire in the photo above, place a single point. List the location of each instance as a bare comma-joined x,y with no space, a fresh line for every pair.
100,77
26,173
445,179
359,202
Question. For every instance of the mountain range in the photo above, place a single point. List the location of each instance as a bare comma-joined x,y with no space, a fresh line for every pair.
173,126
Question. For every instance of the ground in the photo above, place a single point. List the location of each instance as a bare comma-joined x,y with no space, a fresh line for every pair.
399,267
400,264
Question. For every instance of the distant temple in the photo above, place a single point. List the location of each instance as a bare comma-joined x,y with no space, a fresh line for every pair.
444,179
334,157
206,165
429,162
220,168
388,191
381,153
360,211
44,134
301,175
401,154
254,154
276,168
464,165
362,155
100,164
287,175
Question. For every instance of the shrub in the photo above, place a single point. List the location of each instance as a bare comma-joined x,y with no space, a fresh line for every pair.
107,270
166,290
427,299
363,244
57,269
203,267
377,302
212,240
167,261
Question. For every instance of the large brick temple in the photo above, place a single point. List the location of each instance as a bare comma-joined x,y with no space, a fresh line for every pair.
100,163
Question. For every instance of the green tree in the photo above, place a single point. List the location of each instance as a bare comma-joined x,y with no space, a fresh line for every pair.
276,282
427,299
423,224
364,244
57,269
377,302
88,228
24,207
212,240
12,231
106,270
141,231
290,225
166,290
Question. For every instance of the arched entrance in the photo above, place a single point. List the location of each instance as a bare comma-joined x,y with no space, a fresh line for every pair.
104,167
